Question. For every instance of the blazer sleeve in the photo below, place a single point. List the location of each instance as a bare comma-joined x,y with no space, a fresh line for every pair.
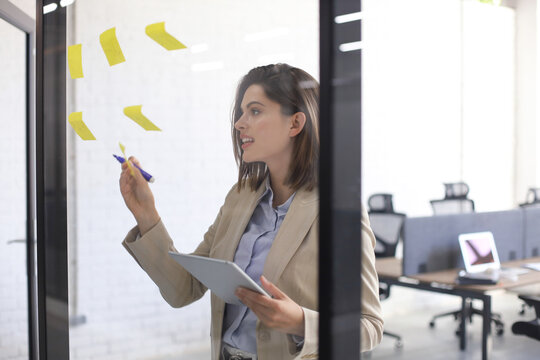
177,286
372,322
310,348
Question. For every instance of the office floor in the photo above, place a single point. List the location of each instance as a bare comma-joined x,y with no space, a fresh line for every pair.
407,312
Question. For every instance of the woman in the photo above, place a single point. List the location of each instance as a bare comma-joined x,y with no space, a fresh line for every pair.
268,225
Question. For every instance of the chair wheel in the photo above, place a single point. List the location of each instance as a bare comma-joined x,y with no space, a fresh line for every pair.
499,331
432,324
399,344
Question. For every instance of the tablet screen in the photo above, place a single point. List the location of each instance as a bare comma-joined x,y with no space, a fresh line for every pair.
220,276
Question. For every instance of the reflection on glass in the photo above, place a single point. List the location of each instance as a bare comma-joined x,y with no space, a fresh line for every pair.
13,279
117,311
49,8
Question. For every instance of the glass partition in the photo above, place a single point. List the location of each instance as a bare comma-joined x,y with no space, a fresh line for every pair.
116,311
449,93
13,265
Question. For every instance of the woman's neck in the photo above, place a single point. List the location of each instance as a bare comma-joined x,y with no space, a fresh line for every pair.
281,191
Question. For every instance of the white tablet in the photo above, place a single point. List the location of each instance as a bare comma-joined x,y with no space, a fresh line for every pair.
221,276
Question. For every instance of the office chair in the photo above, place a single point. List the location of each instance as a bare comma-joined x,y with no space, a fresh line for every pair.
387,226
456,202
529,328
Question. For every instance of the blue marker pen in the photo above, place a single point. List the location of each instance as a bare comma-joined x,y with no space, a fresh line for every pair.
146,175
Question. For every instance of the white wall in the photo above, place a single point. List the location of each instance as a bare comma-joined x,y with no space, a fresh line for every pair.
191,158
526,96
488,138
438,101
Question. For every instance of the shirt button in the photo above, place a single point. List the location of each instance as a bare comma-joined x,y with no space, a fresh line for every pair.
264,335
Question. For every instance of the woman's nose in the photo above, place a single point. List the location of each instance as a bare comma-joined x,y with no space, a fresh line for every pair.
240,124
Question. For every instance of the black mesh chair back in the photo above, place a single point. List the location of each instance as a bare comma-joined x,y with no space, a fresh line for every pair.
387,225
455,200
452,206
387,229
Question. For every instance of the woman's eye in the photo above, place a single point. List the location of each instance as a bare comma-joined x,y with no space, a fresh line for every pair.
255,111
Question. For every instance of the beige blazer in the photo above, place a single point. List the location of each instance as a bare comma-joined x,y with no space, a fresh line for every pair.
291,265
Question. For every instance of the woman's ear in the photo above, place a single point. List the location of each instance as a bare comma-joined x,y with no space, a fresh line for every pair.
298,120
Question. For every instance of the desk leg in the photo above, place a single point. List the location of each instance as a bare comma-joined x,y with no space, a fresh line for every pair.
486,328
462,324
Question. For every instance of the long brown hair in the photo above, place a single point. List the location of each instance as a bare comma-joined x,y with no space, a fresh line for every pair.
296,91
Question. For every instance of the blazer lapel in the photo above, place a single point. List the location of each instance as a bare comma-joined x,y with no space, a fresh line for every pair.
240,217
300,216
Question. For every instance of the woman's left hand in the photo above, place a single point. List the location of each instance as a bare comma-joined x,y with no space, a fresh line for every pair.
279,312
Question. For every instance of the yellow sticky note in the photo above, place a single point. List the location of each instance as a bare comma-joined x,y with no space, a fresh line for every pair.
111,47
75,61
76,122
134,113
123,149
157,33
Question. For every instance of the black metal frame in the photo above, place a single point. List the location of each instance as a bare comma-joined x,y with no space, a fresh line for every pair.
340,201
51,208
25,23
464,294
325,183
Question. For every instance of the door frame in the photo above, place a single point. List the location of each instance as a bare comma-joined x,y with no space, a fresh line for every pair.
19,19
340,233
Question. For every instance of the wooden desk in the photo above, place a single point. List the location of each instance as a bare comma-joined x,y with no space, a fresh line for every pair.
390,270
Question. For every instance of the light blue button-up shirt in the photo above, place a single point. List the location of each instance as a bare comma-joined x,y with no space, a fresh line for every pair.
239,321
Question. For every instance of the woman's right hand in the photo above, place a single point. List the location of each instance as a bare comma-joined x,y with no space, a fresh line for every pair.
138,196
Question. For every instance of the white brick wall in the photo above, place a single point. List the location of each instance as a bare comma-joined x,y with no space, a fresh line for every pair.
13,293
191,159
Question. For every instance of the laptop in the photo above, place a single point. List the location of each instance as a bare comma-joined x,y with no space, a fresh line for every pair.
480,255
479,252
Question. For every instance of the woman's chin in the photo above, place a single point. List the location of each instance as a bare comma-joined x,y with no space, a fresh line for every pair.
249,158
251,161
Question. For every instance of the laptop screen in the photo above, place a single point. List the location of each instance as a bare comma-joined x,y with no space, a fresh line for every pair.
479,251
